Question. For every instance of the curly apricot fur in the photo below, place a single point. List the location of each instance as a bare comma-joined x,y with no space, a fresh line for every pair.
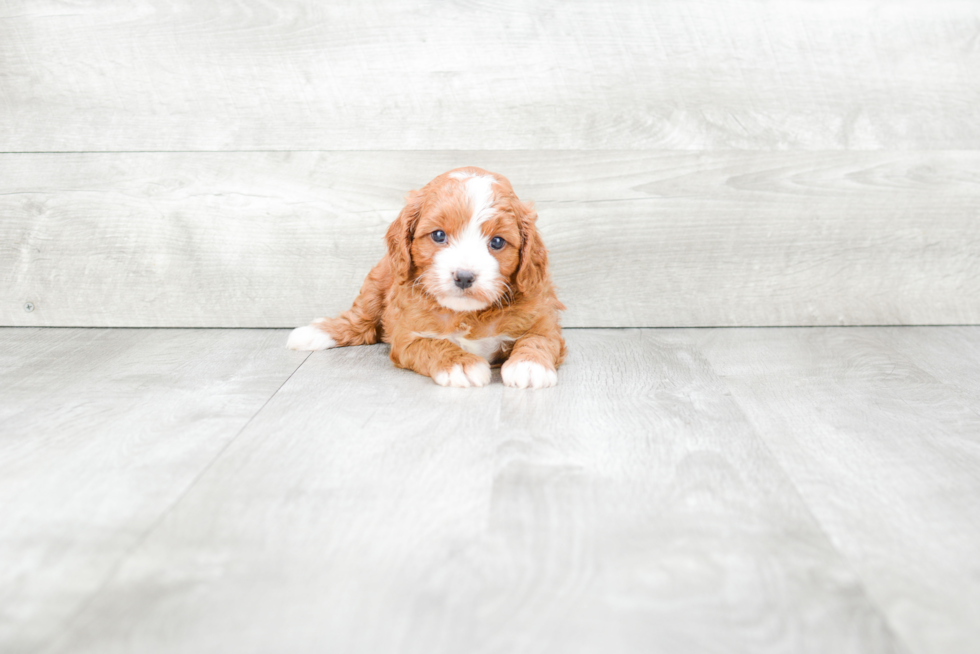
394,308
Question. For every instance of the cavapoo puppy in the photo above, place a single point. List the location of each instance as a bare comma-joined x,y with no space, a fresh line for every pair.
464,284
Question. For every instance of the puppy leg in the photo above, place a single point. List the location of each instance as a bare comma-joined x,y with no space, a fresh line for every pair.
310,338
346,329
359,325
445,362
534,361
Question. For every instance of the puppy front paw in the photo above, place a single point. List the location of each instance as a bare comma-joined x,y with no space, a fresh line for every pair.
309,338
522,373
464,375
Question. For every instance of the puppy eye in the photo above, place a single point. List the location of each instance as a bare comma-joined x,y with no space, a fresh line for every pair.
438,236
497,243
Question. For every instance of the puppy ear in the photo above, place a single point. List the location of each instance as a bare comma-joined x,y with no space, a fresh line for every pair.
400,234
533,267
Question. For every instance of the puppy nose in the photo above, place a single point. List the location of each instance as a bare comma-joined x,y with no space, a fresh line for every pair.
464,278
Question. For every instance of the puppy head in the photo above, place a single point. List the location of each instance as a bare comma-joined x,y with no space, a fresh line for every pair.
467,241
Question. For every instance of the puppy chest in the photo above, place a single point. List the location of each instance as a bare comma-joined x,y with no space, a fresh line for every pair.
489,348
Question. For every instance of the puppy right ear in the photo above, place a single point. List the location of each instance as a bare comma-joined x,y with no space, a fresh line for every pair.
400,234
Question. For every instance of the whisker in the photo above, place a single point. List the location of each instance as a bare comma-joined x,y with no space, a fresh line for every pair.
419,283
506,295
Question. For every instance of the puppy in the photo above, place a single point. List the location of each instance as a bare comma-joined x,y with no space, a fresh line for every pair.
465,284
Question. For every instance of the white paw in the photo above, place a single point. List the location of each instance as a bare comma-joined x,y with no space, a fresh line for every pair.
460,376
309,338
527,374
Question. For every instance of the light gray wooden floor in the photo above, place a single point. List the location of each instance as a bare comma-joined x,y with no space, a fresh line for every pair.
704,490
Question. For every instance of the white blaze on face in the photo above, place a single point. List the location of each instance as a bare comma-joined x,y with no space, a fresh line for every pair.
469,250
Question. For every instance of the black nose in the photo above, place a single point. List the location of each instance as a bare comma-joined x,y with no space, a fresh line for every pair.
464,278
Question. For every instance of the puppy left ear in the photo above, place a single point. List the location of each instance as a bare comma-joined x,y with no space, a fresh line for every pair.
400,234
533,267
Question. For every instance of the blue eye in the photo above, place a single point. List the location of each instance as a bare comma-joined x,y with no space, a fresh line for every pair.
497,243
438,236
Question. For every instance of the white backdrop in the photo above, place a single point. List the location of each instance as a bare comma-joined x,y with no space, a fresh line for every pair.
212,163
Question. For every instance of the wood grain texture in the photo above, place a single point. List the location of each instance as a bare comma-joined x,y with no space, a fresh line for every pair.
949,355
636,239
101,431
293,75
630,509
878,429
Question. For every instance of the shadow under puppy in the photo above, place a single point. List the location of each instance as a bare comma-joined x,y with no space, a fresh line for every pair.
465,284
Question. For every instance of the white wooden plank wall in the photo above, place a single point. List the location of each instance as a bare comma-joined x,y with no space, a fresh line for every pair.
694,163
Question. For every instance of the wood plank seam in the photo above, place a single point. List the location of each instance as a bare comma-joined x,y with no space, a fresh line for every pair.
899,375
111,573
849,564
